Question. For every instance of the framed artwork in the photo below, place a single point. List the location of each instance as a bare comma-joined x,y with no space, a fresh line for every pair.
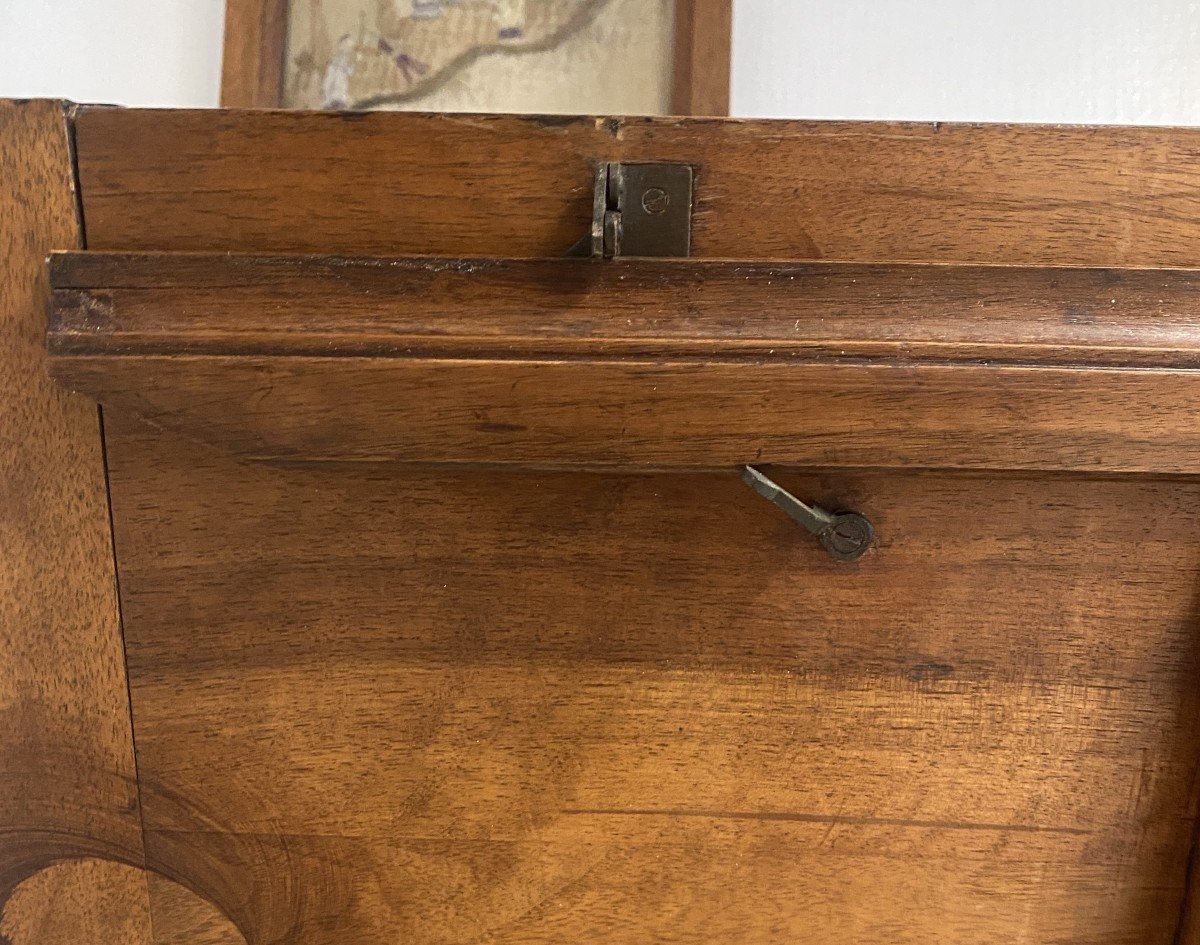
647,57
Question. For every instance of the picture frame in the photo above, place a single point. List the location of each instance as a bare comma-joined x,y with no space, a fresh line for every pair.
255,54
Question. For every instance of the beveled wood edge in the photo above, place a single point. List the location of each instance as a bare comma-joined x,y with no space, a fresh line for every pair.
117,304
87,269
1109,389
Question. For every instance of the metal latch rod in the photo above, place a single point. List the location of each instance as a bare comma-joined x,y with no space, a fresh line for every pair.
845,535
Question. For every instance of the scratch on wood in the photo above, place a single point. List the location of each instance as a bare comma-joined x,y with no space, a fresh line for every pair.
790,817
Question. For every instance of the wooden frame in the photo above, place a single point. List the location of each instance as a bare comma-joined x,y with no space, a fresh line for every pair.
255,46
703,37
253,68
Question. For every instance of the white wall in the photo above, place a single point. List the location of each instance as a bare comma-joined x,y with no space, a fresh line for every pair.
122,52
1135,61
1127,61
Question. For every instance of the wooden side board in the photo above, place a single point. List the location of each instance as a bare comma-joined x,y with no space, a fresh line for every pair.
68,782
470,185
638,415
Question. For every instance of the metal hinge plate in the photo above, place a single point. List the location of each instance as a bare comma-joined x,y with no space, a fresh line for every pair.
642,210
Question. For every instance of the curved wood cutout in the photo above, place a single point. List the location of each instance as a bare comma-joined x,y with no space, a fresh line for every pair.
102,901
93,901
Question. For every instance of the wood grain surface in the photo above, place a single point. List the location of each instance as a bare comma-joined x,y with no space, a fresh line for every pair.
68,783
253,61
463,185
378,704
102,902
643,415
703,57
80,901
641,363
379,701
183,918
190,304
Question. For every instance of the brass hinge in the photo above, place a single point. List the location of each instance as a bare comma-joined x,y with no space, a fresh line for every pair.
640,210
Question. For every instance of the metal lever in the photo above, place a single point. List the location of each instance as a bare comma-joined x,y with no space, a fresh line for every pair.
845,535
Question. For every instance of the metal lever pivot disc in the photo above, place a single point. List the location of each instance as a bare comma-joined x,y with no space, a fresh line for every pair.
845,535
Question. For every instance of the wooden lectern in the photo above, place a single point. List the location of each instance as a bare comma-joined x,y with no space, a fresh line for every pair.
523,531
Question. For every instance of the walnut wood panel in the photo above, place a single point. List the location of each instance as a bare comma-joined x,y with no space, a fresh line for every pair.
187,304
378,704
381,702
393,183
67,774
183,918
101,902
1189,929
80,901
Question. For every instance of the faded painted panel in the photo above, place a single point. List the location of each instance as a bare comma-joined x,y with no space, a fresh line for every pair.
547,56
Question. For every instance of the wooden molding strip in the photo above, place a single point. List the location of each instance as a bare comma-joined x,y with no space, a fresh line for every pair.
642,363
227,304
